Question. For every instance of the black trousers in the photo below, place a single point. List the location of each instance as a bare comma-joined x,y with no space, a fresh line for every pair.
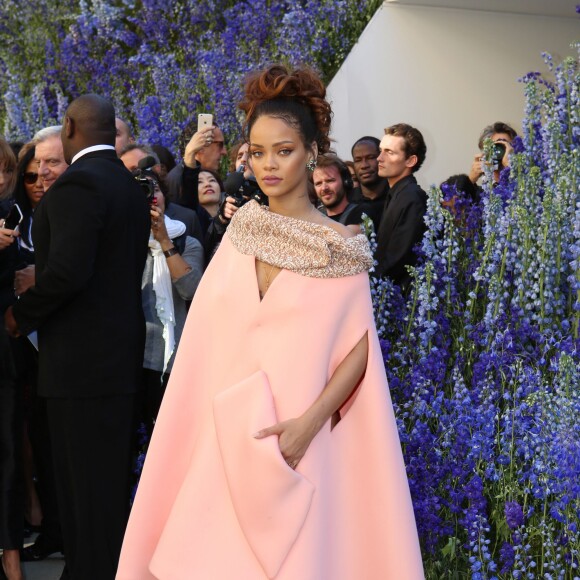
150,397
39,436
11,429
91,448
11,476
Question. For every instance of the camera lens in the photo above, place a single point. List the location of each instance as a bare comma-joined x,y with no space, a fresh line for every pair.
498,152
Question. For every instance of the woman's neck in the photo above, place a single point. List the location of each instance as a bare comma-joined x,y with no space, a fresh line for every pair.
211,208
298,208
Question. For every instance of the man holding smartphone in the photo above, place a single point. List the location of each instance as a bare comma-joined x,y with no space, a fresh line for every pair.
90,236
203,148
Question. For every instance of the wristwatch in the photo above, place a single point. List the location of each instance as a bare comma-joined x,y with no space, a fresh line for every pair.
171,252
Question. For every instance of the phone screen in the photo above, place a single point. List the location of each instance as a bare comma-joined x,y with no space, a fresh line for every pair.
13,218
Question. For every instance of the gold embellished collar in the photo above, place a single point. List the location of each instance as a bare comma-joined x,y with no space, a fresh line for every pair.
303,247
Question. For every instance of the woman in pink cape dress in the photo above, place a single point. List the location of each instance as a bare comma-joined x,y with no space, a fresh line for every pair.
218,499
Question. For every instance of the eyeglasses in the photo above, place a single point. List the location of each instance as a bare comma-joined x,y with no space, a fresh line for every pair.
30,178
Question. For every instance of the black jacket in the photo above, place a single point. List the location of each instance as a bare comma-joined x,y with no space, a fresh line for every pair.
90,236
402,227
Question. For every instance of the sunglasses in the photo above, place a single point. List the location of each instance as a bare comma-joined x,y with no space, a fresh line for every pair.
30,178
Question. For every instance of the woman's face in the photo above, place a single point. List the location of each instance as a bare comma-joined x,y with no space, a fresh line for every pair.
278,158
208,189
33,184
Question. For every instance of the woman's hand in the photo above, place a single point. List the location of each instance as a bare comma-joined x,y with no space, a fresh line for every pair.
158,228
199,140
294,438
7,237
295,435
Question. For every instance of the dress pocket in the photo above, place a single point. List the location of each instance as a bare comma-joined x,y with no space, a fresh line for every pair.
270,499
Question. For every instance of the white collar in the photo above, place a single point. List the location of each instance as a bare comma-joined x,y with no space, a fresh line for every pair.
90,150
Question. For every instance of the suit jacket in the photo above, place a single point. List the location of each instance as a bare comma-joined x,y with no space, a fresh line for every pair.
402,227
90,236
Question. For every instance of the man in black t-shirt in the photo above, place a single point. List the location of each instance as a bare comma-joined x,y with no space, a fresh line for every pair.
373,188
332,183
403,151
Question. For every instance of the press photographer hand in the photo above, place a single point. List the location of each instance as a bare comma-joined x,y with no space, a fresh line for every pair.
228,209
476,168
158,228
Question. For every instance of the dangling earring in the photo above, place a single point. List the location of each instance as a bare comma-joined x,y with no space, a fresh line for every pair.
311,165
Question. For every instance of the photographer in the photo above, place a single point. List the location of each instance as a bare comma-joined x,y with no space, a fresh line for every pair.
502,135
173,269
138,156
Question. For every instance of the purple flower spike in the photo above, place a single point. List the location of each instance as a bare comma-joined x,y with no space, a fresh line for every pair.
514,514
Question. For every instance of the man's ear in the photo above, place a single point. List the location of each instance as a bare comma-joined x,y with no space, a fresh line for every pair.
69,127
411,161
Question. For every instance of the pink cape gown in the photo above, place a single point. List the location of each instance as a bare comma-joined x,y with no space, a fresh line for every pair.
214,503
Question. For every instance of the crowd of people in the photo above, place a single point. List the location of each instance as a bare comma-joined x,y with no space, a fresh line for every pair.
103,244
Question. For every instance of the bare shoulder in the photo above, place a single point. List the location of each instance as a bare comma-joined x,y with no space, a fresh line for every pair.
344,231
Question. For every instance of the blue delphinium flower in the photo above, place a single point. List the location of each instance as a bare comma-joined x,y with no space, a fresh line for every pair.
514,514
484,371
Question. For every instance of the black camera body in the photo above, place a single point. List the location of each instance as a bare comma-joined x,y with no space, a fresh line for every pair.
147,187
146,178
249,189
243,190
497,154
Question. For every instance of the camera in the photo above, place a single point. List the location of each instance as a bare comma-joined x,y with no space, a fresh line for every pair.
146,178
242,189
497,154
146,184
249,189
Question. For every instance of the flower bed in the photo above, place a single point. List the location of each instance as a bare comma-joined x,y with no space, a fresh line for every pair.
484,364
160,62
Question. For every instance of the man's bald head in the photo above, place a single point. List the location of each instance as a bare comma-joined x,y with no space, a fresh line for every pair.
89,120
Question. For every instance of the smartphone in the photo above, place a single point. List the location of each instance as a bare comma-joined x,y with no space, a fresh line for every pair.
13,218
204,121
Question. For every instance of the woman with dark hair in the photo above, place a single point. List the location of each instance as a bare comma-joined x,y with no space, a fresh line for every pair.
276,453
7,177
209,195
27,195
11,477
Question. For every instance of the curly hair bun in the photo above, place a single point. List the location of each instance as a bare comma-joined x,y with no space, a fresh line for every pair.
277,91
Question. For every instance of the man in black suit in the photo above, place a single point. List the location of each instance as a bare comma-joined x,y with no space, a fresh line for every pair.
90,234
402,225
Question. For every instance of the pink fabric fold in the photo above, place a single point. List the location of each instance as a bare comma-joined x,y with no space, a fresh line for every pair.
270,499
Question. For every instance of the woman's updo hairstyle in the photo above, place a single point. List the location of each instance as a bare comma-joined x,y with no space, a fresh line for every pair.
297,97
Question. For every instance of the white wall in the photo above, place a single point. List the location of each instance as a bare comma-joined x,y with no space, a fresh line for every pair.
448,72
